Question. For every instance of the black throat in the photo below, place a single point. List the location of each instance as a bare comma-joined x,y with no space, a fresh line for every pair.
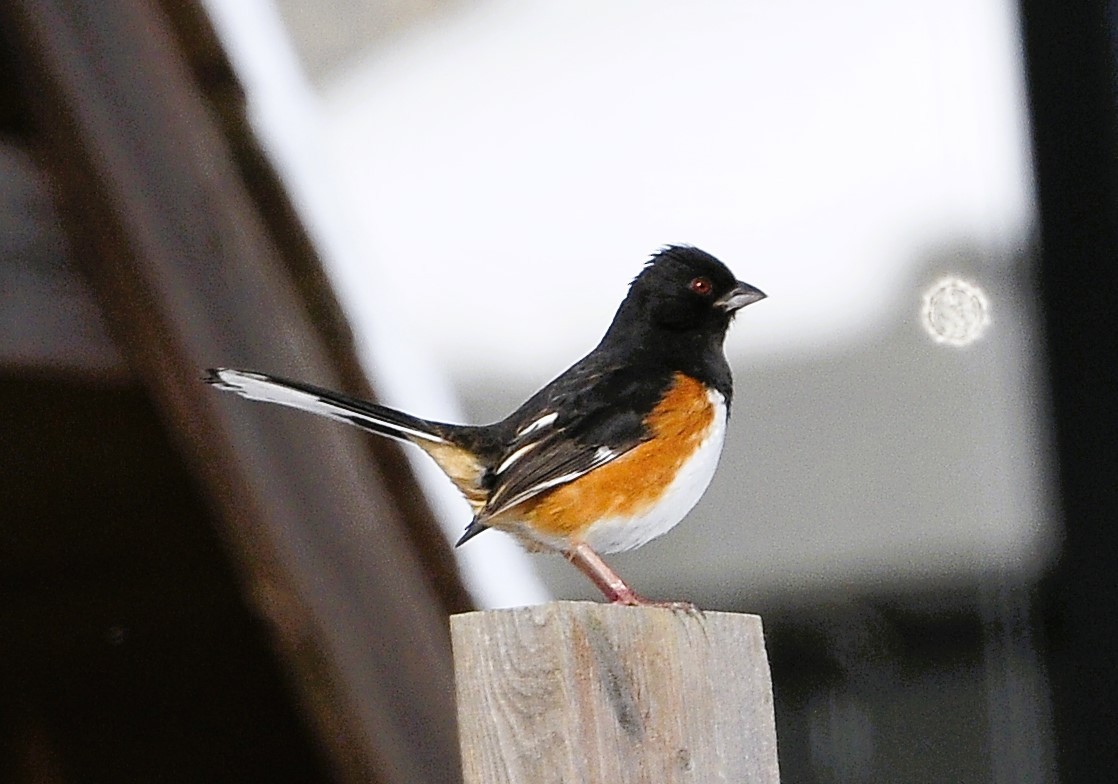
695,353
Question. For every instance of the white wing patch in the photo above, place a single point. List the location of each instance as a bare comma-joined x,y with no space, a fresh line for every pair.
601,456
545,421
519,453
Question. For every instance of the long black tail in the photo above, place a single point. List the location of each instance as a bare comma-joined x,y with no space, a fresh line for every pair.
306,397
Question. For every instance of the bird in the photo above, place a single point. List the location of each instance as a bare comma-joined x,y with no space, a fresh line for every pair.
609,455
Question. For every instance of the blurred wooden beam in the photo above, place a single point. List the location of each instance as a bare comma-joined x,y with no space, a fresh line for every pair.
183,265
49,319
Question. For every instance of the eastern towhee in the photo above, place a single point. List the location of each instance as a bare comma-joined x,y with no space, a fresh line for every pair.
608,456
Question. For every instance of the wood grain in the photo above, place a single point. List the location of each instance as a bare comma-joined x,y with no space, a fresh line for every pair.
586,692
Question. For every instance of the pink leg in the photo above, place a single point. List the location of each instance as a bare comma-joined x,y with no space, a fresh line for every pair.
609,583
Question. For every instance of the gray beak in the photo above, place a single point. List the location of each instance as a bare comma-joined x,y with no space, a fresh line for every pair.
738,297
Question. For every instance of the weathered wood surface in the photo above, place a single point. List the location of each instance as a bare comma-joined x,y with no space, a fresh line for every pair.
585,692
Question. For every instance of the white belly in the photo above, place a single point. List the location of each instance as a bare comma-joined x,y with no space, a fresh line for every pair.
613,535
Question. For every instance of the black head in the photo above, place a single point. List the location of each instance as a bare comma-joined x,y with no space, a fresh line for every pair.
683,290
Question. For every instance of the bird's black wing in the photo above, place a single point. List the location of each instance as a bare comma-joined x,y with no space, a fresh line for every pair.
589,416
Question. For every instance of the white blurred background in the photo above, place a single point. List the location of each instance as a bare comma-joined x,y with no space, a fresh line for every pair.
486,177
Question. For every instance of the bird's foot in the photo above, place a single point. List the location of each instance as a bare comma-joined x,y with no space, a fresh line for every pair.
615,589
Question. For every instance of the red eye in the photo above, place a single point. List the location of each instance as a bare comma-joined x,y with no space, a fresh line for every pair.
700,286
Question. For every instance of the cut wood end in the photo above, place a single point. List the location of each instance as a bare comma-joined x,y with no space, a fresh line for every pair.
540,613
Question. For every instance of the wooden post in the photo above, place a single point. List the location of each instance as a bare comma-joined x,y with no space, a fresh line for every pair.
586,692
